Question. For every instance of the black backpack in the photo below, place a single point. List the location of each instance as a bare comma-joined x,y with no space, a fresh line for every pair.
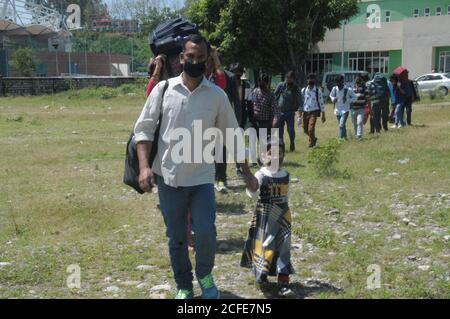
279,95
168,37
131,171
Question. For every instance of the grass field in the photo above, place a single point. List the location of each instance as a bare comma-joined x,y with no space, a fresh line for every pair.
62,202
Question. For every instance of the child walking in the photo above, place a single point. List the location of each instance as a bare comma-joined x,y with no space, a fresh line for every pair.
268,247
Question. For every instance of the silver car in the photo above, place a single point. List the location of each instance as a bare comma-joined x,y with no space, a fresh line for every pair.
434,81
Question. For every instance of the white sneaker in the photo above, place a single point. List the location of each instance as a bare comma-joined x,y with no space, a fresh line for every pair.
220,187
394,126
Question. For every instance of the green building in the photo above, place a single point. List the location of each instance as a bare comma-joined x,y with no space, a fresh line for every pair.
386,34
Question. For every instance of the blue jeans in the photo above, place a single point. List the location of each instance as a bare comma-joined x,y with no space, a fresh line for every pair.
399,114
289,119
201,202
342,119
358,121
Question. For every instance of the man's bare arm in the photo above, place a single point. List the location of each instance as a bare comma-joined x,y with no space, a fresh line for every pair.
146,176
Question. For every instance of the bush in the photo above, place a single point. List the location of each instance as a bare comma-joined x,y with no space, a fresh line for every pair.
106,93
436,94
324,159
103,93
24,62
127,88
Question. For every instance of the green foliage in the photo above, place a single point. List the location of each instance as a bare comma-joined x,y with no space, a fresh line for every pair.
90,9
16,118
436,94
127,88
324,158
134,46
106,93
24,62
273,35
315,235
103,93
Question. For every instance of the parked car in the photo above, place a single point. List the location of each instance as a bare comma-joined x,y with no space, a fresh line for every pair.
329,80
434,81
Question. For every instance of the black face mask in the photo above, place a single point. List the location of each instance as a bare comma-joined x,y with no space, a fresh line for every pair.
194,70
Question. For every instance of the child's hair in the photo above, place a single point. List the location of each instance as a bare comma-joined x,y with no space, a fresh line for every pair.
339,78
275,142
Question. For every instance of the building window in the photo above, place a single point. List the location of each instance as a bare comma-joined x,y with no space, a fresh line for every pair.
416,13
388,16
372,62
318,63
426,12
438,11
444,61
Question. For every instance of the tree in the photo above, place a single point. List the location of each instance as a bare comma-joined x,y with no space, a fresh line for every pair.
90,9
149,13
272,35
24,61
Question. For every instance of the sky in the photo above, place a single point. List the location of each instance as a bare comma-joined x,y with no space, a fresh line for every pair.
174,4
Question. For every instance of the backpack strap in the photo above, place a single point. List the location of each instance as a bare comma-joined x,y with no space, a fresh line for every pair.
317,99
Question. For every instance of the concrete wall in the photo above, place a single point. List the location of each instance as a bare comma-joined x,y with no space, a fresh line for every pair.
358,37
97,64
417,39
420,37
49,85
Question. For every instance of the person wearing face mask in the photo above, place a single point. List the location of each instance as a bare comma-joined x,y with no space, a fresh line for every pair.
227,81
341,97
187,185
313,107
244,90
357,107
289,99
266,111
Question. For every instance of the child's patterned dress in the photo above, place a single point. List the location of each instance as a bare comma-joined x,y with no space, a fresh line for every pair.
268,247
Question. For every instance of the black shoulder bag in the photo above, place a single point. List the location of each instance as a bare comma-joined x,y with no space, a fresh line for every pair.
131,172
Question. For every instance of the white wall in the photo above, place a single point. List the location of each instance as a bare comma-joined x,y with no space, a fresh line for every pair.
416,37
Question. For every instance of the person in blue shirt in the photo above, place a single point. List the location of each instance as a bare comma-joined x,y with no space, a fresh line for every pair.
398,101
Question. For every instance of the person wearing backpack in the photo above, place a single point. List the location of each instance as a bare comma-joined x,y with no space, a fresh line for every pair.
313,108
410,94
357,108
379,93
342,96
289,100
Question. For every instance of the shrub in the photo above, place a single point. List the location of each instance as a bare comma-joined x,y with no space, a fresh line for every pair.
127,88
24,62
106,93
324,159
436,94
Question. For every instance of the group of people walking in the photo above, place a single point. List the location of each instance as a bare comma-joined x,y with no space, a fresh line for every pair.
377,102
198,88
